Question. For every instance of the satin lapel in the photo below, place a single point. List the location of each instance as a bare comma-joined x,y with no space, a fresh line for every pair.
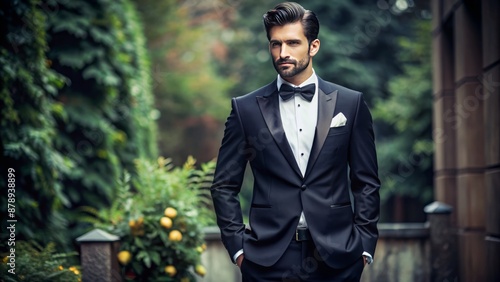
269,106
326,106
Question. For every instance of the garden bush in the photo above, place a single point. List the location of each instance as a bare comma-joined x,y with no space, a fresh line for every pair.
159,217
35,263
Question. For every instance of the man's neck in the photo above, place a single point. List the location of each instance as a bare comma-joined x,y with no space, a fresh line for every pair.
299,78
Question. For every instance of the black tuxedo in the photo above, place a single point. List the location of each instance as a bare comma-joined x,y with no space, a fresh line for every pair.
254,134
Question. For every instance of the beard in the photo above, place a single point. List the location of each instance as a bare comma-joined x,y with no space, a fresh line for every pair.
295,68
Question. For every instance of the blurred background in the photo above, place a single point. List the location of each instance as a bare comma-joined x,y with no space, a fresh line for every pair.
90,86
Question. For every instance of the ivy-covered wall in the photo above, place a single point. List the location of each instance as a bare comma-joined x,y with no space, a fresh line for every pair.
76,108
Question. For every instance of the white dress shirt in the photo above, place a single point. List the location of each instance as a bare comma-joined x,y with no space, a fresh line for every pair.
299,118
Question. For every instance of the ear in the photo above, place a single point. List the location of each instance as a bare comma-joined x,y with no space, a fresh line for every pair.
314,48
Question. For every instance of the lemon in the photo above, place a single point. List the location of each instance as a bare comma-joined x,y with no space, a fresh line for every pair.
140,221
199,249
175,235
124,257
131,223
74,270
170,270
200,270
166,222
170,212
204,246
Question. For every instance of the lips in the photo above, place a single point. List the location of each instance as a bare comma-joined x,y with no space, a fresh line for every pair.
285,65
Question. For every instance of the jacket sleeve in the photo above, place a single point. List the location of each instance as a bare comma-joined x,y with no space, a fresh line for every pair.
365,183
229,172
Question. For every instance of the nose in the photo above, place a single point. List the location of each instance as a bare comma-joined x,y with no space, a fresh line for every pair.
284,52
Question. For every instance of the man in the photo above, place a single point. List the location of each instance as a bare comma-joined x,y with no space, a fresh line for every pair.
302,151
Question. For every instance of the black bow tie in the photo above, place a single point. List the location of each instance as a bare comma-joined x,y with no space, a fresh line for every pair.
307,92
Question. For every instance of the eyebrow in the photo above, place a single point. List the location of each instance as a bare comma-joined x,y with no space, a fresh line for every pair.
286,41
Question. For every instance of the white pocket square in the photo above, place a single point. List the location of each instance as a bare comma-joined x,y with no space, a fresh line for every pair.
338,120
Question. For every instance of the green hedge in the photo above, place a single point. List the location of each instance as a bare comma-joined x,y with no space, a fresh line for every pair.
77,108
28,127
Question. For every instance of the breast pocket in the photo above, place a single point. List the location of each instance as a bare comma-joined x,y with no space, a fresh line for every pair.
337,139
338,130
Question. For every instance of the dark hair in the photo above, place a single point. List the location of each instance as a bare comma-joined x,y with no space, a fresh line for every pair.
291,12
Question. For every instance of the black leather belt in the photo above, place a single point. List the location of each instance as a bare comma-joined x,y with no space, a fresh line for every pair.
302,234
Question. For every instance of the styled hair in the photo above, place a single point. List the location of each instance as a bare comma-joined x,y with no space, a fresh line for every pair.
291,12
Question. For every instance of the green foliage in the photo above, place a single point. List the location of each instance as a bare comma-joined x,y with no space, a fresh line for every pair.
183,39
107,107
39,264
406,151
77,109
99,46
136,217
247,47
185,81
27,90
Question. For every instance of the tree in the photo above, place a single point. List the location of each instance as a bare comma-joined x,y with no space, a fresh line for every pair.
190,94
107,120
31,167
406,151
76,109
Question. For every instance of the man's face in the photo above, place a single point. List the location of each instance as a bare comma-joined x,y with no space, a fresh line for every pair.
291,52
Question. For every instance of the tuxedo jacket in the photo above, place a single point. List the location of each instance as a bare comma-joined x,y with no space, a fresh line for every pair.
342,159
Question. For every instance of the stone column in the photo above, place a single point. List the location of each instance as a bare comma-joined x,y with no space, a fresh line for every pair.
443,243
491,95
98,256
467,31
444,116
469,105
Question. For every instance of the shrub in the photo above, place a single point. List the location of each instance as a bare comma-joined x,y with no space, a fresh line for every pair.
36,263
160,222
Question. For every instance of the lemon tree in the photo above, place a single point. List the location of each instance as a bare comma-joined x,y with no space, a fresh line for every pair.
160,221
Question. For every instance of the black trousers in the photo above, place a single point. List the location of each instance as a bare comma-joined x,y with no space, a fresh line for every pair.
301,262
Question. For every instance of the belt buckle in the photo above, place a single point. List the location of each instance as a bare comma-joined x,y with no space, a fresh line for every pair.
300,234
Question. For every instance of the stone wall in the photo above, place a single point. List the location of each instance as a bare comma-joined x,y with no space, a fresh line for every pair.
466,86
402,254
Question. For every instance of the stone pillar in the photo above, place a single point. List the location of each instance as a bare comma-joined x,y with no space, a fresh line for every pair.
98,256
443,243
491,94
467,30
469,105
444,115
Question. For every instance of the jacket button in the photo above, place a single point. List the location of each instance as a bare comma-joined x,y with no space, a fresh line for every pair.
303,187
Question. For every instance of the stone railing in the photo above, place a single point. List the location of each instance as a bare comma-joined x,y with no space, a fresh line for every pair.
417,252
402,255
